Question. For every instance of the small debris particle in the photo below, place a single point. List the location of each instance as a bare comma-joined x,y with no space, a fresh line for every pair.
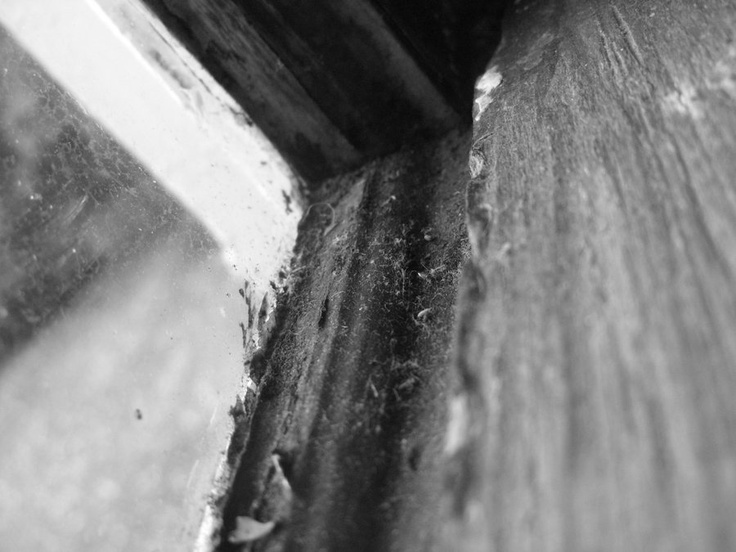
476,161
287,201
407,384
429,234
248,529
238,409
138,414
424,314
323,313
415,457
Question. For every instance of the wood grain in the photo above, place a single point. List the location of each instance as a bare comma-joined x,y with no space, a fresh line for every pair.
224,40
597,336
356,70
352,382
330,85
593,408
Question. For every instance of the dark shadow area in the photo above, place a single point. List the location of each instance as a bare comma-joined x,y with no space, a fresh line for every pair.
342,445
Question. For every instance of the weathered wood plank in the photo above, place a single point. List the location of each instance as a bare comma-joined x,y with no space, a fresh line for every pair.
351,386
596,346
359,74
450,39
220,35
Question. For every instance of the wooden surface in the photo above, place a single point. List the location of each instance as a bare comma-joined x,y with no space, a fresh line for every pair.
593,403
351,386
332,85
231,49
596,344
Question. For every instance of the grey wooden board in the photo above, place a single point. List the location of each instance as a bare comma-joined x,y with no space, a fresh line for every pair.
352,381
233,51
450,39
597,338
331,85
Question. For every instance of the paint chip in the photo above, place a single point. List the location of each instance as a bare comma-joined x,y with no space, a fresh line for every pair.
485,86
458,426
248,529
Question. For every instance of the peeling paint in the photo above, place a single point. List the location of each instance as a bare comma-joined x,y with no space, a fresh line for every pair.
485,86
458,426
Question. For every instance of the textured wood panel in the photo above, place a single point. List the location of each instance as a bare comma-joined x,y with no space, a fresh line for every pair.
232,50
329,83
351,385
356,70
597,337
